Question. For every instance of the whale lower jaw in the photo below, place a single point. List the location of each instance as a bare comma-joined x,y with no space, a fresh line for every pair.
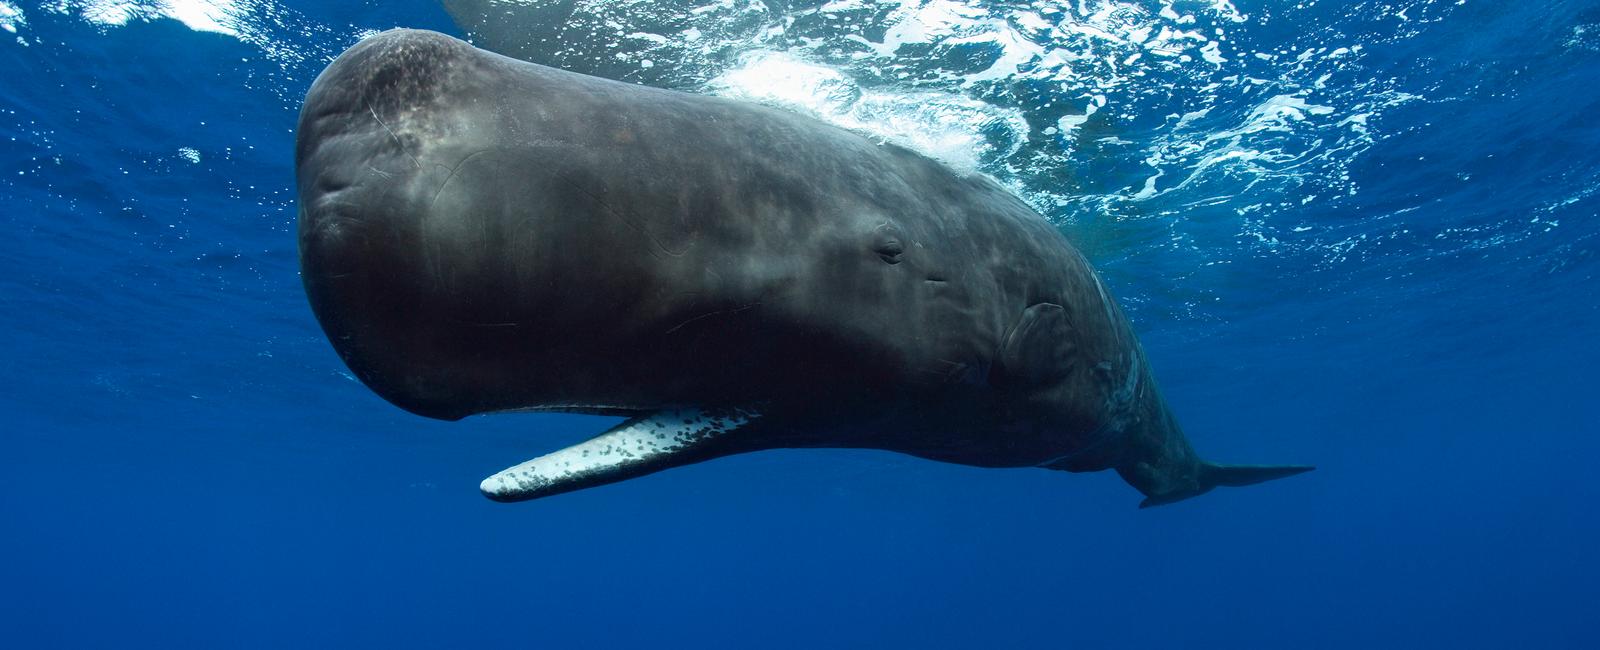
642,445
619,410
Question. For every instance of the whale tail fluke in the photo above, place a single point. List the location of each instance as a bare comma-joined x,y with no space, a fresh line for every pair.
1208,475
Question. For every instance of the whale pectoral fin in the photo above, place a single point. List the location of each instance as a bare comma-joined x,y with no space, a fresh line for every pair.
1039,348
1211,475
640,446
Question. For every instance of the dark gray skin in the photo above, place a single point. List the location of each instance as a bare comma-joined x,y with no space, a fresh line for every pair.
481,234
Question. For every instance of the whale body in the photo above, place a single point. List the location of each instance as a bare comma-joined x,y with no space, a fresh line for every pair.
480,234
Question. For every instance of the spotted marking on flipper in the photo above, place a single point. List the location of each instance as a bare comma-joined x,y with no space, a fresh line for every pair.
639,446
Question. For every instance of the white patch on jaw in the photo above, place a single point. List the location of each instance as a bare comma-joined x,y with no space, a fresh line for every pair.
633,442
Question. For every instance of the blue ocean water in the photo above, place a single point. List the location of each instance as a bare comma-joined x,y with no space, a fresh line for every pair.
1360,235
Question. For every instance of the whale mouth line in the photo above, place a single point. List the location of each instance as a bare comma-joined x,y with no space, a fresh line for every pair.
583,408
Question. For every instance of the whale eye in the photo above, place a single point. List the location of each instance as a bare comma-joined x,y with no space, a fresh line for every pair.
889,250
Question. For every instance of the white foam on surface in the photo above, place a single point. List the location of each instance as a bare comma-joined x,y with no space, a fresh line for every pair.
11,18
219,16
946,126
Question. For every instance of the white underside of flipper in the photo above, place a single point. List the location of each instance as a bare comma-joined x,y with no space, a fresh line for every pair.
634,448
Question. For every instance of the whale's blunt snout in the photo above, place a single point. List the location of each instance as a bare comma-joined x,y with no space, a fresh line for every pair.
372,148
376,102
378,137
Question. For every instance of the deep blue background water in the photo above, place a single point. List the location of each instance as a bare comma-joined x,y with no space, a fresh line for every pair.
185,463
